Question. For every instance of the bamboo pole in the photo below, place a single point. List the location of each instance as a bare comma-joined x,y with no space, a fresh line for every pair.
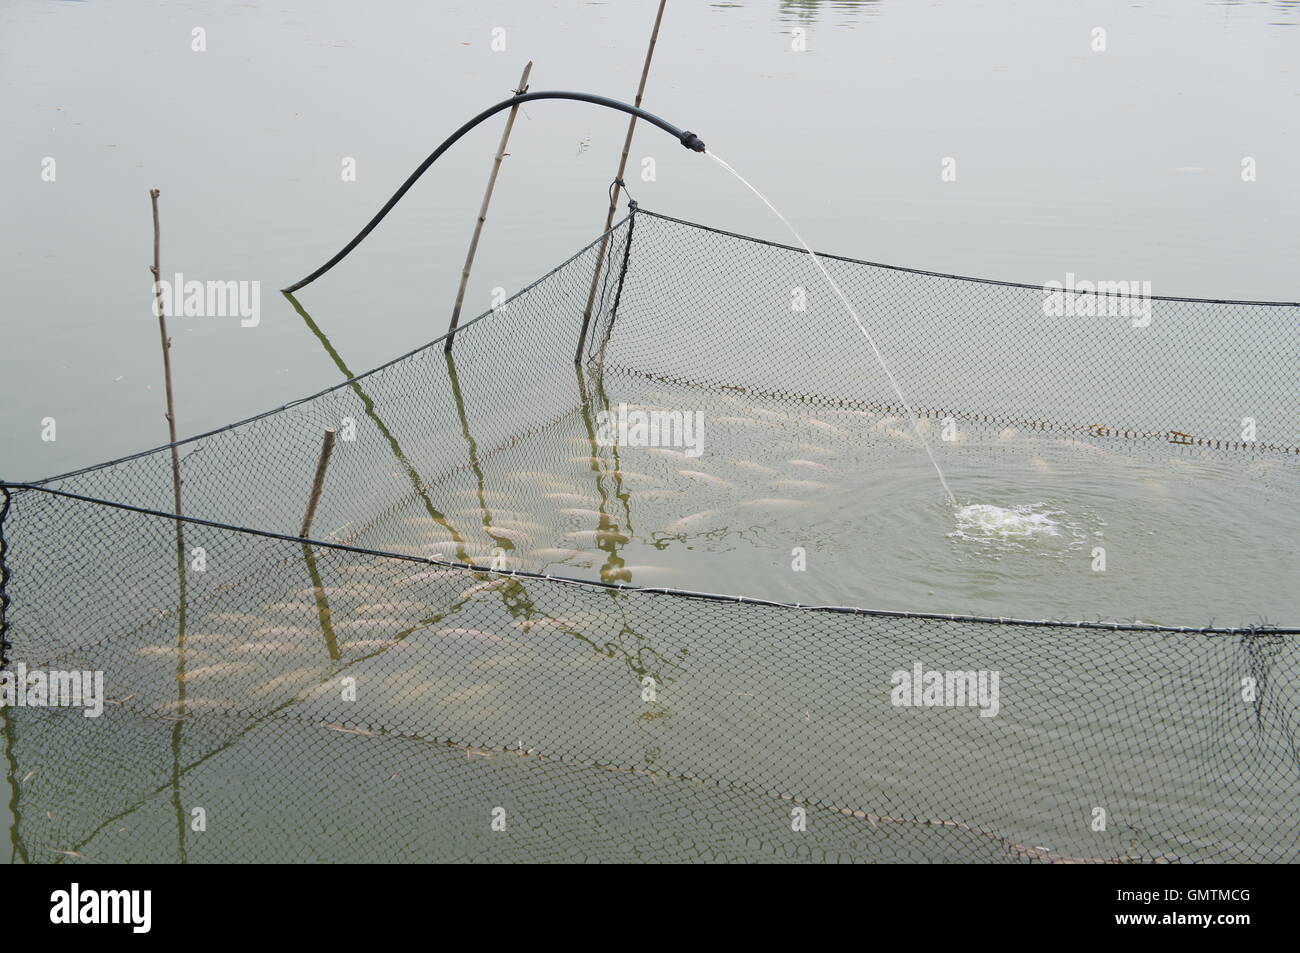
483,210
613,195
318,482
156,269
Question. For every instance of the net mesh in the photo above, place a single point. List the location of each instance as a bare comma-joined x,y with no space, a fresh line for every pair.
425,670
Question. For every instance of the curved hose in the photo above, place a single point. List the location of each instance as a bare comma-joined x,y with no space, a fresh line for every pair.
685,137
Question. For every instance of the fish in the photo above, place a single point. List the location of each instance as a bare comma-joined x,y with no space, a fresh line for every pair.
708,478
686,522
361,569
527,625
823,426
271,648
583,514
210,640
456,554
520,524
553,553
219,668
850,416
428,522
532,475
754,467
292,607
280,631
382,607
311,674
505,532
600,536
471,693
170,652
774,502
489,586
477,635
236,618
571,498
365,625
800,485
474,516
368,644
556,484
626,573
446,545
337,591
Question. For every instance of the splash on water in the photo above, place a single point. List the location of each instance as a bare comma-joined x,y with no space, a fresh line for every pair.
984,521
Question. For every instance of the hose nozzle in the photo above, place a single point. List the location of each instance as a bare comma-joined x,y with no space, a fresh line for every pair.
693,142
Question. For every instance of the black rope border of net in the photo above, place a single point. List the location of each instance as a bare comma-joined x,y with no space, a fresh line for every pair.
942,274
1262,629
1171,437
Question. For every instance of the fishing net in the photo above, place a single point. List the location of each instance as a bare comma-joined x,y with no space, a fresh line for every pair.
433,675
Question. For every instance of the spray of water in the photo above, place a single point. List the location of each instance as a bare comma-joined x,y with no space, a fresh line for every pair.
884,365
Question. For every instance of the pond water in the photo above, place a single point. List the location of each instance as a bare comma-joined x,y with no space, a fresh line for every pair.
827,507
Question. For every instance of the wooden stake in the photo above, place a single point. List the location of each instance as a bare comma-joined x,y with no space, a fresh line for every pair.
483,210
318,482
156,269
613,195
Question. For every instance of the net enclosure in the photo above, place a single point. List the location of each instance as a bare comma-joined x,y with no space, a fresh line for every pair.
459,663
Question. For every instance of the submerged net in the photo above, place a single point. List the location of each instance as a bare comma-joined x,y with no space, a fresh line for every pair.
434,662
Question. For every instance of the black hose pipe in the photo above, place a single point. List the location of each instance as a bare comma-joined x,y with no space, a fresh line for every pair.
688,139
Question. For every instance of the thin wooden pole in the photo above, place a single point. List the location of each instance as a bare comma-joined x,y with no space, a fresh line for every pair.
156,269
483,210
613,195
182,606
318,482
